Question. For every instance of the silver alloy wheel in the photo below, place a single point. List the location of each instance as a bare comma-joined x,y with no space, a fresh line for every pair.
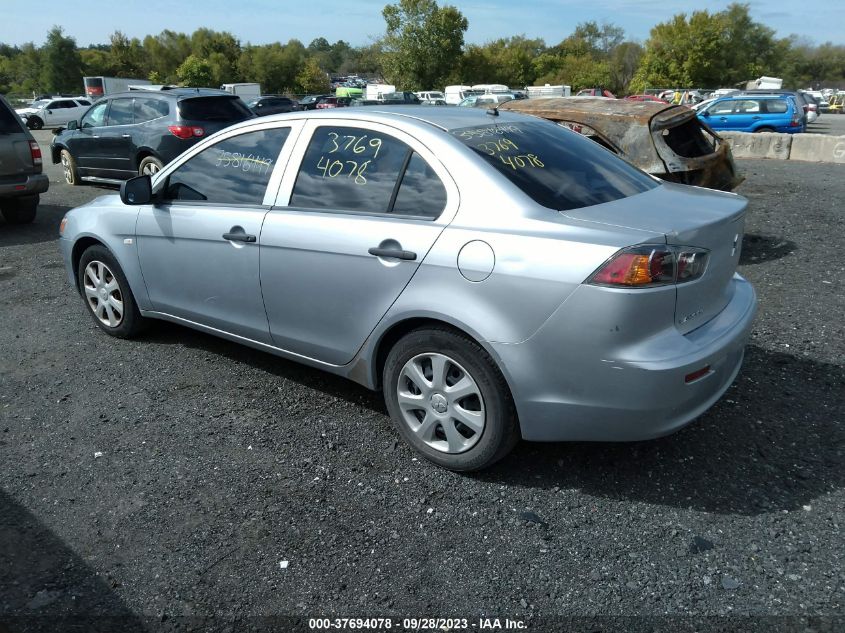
441,403
102,292
67,169
150,169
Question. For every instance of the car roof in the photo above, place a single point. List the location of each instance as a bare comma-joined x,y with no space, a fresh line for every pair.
174,93
444,118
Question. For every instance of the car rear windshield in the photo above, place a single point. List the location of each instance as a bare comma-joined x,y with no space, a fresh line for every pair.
9,121
556,167
214,109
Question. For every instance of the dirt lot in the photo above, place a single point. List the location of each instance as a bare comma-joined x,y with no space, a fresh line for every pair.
162,482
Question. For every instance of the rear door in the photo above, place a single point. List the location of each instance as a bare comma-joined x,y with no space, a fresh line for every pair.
748,115
199,247
359,208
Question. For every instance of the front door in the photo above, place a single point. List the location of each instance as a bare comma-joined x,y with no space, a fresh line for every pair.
199,247
84,145
352,225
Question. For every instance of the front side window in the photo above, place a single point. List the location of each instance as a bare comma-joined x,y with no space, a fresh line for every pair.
351,169
96,116
120,112
722,107
556,168
234,171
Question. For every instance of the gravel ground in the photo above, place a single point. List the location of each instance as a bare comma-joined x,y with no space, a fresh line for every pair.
162,482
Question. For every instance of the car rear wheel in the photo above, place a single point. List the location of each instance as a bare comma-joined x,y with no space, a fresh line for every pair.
34,123
20,210
106,292
69,168
150,166
764,129
448,400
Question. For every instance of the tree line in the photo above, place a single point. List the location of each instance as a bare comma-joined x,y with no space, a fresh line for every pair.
423,48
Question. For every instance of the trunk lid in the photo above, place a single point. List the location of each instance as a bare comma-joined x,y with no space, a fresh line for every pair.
686,216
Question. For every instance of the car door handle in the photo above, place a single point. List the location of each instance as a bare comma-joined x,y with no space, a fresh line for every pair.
392,252
239,237
126,135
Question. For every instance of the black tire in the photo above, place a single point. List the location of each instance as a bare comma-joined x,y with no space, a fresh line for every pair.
34,123
131,321
20,210
69,167
150,165
764,129
500,431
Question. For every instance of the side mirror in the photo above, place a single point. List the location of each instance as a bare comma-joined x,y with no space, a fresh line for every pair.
137,190
705,114
49,111
73,125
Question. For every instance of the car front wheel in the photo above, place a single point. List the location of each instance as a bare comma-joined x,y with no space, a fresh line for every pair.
69,168
448,400
34,123
106,292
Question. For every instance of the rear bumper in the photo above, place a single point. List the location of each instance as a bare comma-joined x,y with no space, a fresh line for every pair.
570,389
24,186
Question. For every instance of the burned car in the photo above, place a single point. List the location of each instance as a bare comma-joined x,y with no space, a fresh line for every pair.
665,140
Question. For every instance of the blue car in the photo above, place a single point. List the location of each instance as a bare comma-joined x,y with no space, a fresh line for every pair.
758,113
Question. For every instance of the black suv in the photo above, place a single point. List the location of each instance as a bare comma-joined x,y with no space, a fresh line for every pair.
272,104
21,179
138,132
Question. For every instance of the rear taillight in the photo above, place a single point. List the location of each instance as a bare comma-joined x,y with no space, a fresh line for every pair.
651,265
795,123
186,131
35,151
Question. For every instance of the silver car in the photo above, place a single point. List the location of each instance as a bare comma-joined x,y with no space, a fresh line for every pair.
496,275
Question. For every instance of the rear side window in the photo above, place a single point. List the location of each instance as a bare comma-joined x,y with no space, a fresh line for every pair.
557,168
230,109
776,106
354,169
9,121
234,171
421,192
120,112
149,109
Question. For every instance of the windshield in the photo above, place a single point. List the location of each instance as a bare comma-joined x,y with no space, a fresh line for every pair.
556,167
40,103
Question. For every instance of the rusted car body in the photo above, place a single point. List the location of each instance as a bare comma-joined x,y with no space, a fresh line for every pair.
665,140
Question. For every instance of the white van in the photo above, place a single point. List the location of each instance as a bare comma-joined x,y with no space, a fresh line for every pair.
456,94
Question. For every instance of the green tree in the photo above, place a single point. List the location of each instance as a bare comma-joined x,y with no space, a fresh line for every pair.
165,52
126,57
708,50
61,65
422,44
195,72
312,79
508,61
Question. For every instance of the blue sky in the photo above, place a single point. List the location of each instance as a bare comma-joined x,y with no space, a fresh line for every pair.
358,21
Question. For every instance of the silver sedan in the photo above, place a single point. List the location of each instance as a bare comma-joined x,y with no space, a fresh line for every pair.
497,276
